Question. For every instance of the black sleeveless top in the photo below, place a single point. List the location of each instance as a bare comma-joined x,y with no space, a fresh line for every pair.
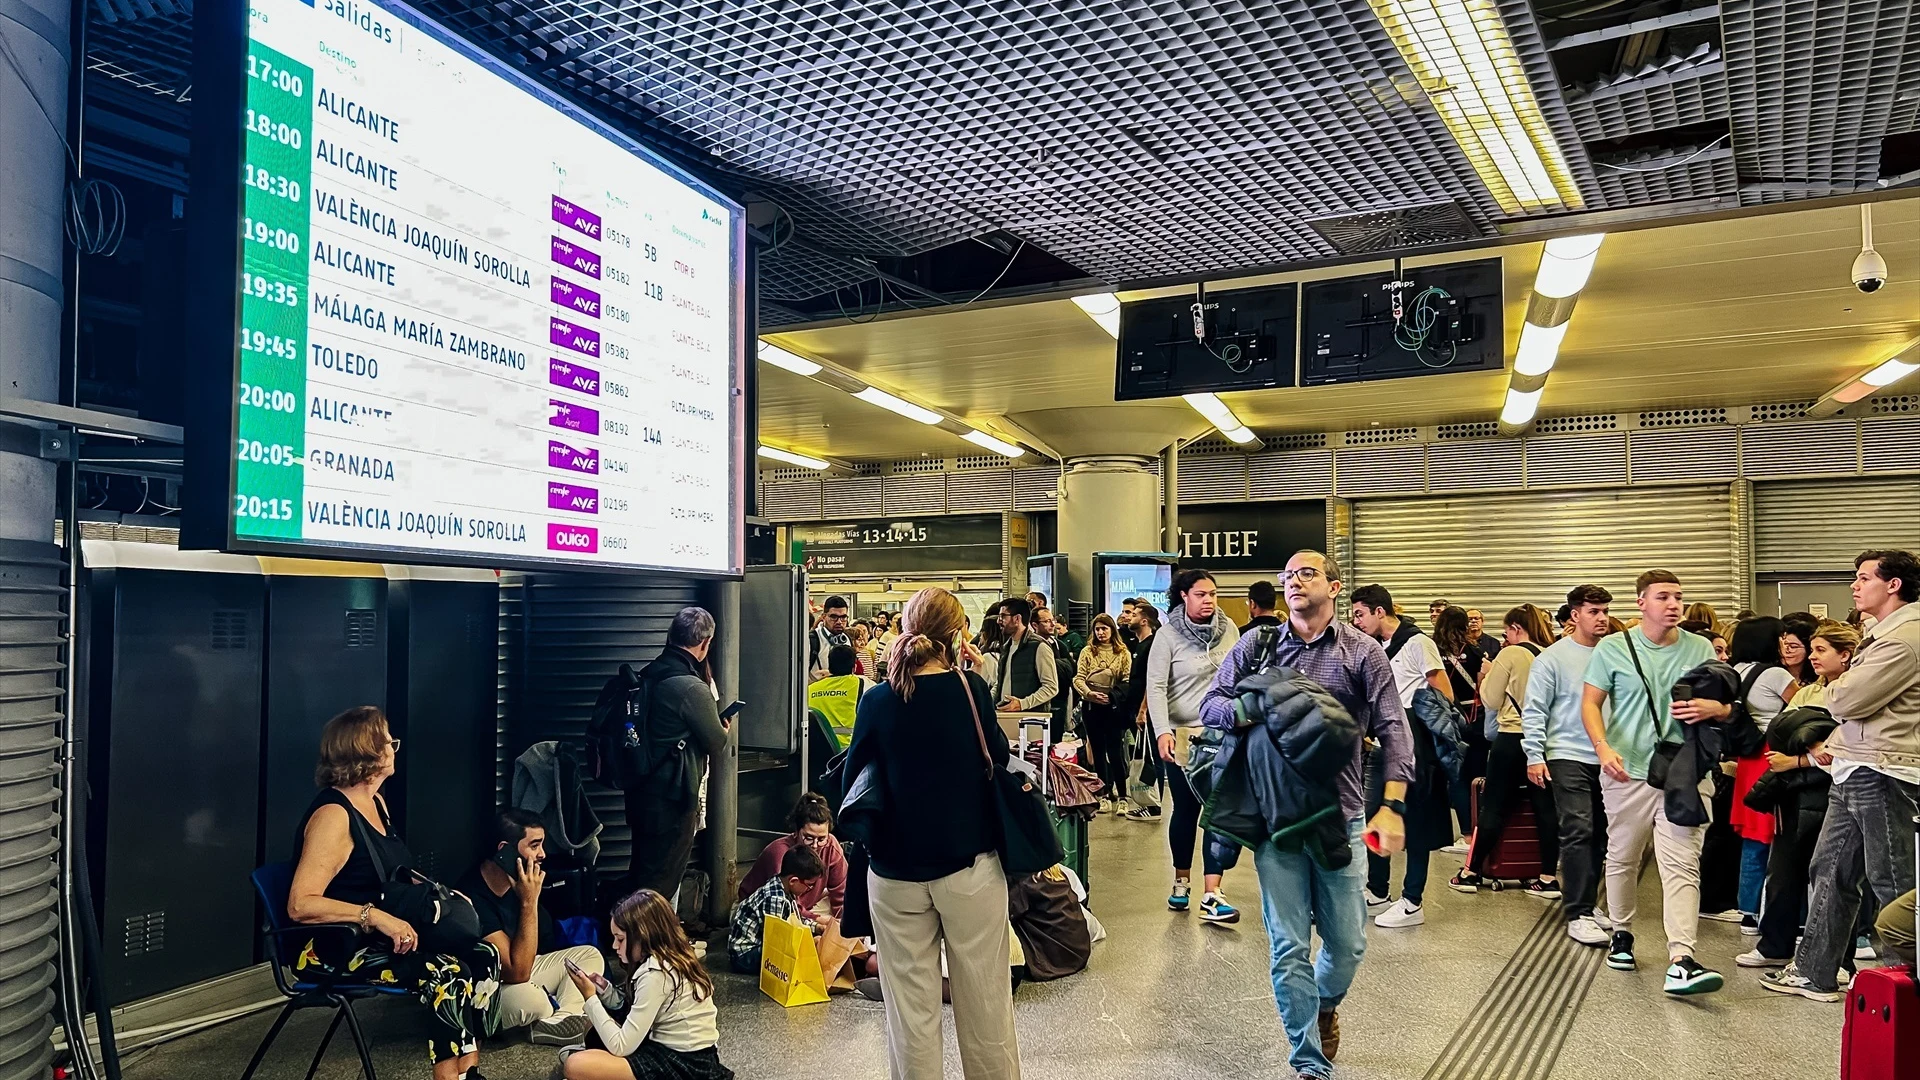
356,883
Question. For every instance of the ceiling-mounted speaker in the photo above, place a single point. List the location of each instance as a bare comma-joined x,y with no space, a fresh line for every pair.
1373,232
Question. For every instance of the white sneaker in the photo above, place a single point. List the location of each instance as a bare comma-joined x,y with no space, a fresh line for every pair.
1863,950
1733,915
1401,914
1459,847
1587,932
1603,921
1754,958
1376,904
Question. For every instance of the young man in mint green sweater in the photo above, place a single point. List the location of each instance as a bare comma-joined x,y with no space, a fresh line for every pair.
1561,756
1635,672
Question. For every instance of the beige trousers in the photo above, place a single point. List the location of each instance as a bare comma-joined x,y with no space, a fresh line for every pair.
1637,812
968,910
529,1002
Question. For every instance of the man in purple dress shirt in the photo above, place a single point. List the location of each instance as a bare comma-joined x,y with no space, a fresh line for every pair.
1297,893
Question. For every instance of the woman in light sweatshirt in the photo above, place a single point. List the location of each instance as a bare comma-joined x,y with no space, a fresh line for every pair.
1186,653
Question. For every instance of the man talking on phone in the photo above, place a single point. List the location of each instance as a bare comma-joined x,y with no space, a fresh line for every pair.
1635,672
1297,893
505,890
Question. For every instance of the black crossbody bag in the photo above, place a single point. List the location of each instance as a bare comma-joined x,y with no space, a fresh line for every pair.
446,921
1665,750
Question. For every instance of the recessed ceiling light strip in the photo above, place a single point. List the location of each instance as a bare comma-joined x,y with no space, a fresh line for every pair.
846,382
1870,382
1565,266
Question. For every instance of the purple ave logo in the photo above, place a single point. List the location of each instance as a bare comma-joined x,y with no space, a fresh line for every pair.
580,500
572,376
576,218
574,257
565,414
578,338
562,456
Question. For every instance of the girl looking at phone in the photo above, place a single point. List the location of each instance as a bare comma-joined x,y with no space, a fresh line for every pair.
669,1032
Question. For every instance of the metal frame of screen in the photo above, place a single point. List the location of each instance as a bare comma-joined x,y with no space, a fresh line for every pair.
215,257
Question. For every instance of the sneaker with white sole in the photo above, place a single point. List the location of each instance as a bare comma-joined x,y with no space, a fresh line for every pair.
1215,909
1466,881
1587,932
1685,977
1142,813
1620,952
1863,950
1377,903
1180,897
1603,920
1750,926
1460,847
1788,980
1729,915
1545,890
1754,958
1401,914
562,1030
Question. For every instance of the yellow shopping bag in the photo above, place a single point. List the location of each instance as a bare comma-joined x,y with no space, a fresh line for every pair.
790,964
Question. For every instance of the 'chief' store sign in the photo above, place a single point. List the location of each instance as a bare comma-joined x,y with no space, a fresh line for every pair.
1250,536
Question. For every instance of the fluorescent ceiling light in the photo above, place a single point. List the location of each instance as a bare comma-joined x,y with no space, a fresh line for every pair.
982,439
1520,406
792,458
1103,308
1889,373
875,396
1465,61
1566,264
1220,416
781,358
1539,348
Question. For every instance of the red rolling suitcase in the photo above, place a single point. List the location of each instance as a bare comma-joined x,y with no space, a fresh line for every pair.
1518,856
1881,1039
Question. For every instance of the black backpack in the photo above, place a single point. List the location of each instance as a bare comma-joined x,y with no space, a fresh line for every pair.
619,750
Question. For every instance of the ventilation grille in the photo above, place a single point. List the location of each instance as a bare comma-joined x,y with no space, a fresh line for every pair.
1033,489
1577,461
228,630
919,465
869,468
1698,454
1396,229
1475,466
144,934
1891,406
980,461
1483,429
917,494
1682,418
1570,425
1800,449
1891,444
1379,436
791,472
852,497
981,490
1299,440
1388,470
1297,474
363,628
791,501
1211,444
1785,410
1214,478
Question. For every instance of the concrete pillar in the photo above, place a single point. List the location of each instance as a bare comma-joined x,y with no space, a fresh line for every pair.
33,176
1106,504
723,777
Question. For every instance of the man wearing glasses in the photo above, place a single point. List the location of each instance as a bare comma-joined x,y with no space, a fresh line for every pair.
1298,894
834,619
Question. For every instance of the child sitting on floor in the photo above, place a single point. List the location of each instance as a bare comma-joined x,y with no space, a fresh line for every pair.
669,1032
800,870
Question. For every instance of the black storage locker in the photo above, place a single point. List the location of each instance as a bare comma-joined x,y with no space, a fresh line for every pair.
174,702
327,653
445,651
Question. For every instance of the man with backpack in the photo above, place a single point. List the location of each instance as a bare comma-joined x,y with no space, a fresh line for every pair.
653,734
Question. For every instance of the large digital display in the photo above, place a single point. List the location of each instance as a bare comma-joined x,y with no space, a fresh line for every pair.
473,323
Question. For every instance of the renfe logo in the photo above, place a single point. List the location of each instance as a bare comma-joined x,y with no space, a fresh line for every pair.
573,217
568,295
579,538
565,414
574,257
562,456
573,376
582,500
578,338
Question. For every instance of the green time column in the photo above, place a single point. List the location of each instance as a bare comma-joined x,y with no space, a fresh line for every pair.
270,444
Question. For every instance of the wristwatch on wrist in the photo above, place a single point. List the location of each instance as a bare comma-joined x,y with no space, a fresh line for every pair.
1398,806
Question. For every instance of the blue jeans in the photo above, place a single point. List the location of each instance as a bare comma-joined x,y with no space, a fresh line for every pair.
1753,874
1296,894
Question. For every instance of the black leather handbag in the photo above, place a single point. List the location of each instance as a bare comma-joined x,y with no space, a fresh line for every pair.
1028,843
446,921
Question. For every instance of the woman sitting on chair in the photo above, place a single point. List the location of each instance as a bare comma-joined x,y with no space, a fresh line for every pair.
335,881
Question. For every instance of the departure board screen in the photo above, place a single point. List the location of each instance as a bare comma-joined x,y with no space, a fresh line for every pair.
474,324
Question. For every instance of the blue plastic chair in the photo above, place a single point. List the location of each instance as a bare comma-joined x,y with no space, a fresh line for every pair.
285,939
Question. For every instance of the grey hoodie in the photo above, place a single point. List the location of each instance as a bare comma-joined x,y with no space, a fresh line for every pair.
1180,668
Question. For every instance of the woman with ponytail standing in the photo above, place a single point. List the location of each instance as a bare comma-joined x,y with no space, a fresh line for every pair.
935,873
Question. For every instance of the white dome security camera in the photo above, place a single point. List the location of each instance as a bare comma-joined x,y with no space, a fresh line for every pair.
1869,268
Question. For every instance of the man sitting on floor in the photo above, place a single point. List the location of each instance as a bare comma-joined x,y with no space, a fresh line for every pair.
800,870
505,889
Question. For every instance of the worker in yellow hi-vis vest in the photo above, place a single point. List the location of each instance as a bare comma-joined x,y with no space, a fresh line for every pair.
838,695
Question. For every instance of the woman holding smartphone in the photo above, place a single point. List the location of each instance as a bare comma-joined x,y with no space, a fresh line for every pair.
669,1032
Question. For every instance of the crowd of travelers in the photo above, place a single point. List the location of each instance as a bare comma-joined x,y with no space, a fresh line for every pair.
1771,764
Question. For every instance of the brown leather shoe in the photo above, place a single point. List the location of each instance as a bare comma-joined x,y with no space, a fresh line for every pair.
1330,1033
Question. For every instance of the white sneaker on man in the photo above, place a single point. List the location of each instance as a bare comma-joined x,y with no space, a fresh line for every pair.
1458,847
1587,932
1377,903
1754,958
1401,914
1603,920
